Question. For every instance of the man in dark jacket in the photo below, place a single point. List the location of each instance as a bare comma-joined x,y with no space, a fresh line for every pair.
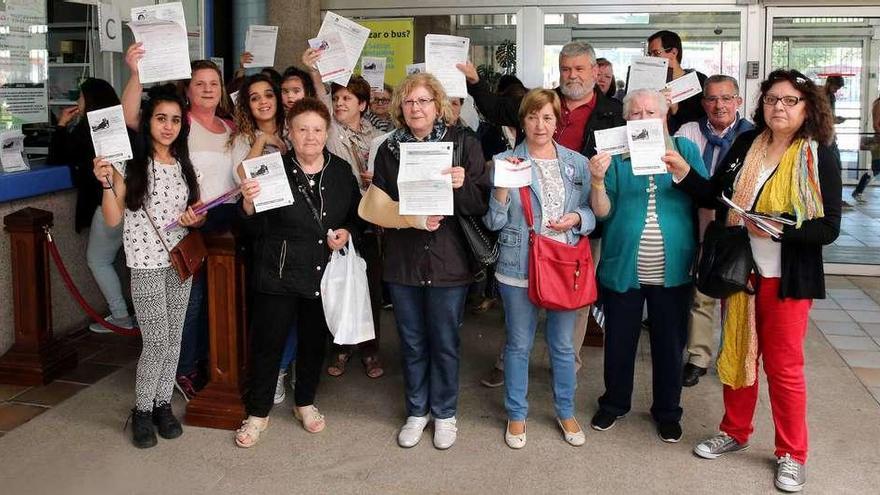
667,44
584,110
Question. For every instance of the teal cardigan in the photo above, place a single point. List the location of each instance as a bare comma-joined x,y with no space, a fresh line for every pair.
625,221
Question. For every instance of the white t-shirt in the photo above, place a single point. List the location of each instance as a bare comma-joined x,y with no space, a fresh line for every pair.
212,158
166,201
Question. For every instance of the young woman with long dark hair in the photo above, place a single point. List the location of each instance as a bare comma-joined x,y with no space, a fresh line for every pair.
159,186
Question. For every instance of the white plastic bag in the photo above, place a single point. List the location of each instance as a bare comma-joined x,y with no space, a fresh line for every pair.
346,297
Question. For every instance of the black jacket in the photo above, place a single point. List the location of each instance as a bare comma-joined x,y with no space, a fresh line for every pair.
74,149
290,249
502,110
803,276
440,258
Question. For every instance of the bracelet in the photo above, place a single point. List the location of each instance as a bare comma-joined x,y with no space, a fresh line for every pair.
597,185
106,188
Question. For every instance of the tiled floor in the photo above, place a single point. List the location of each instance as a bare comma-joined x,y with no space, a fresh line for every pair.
859,240
848,319
99,356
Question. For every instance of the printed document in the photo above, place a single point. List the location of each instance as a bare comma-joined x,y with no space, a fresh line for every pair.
647,73
373,71
275,191
647,145
333,64
513,175
612,141
110,136
442,52
162,30
260,42
353,35
684,87
423,188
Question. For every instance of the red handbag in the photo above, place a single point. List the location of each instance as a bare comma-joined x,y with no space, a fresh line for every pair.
561,276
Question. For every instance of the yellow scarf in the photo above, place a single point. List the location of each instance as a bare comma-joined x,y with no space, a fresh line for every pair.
792,189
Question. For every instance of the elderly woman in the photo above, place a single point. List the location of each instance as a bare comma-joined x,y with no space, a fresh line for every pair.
785,166
292,247
648,247
562,212
431,269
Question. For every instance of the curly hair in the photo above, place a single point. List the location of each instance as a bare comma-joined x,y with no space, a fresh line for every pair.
136,173
413,81
244,119
819,121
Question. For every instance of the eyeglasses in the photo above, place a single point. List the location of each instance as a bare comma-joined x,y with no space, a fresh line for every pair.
382,101
788,101
722,99
660,52
421,102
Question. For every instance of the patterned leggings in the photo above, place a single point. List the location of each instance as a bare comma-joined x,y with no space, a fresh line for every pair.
160,306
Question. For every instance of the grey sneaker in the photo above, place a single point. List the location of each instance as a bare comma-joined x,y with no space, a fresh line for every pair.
124,322
715,447
790,474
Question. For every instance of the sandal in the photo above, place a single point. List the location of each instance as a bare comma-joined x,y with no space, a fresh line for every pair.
249,434
373,367
337,368
312,419
485,305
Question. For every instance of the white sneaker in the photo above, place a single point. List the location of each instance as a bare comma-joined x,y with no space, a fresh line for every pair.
124,322
279,389
445,433
411,432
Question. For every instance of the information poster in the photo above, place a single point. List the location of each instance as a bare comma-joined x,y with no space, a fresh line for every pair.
391,39
24,64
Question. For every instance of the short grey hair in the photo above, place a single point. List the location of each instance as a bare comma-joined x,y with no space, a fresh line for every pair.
720,78
578,48
641,93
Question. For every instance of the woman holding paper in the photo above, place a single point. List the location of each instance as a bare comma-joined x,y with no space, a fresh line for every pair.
74,147
431,269
291,249
212,158
558,179
785,167
648,247
159,186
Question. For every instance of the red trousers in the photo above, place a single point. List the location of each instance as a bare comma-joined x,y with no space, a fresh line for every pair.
781,326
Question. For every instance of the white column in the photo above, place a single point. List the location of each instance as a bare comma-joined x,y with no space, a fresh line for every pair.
530,46
754,49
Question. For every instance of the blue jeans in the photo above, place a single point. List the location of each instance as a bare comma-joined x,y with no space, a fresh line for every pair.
521,322
289,350
104,244
427,321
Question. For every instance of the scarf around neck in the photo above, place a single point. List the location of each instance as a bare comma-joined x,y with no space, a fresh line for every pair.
721,143
403,135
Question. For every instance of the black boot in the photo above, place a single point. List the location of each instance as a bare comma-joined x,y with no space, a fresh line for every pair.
168,426
143,435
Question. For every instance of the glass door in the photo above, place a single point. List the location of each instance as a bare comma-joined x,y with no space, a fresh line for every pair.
829,48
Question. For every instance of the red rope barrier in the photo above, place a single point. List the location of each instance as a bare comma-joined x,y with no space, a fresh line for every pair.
68,281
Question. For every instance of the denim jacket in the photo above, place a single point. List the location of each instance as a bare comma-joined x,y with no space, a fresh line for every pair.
513,240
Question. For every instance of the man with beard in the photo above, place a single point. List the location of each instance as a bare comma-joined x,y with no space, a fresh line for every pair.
713,135
584,111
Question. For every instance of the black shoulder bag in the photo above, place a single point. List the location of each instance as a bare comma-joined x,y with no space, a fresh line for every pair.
725,261
483,242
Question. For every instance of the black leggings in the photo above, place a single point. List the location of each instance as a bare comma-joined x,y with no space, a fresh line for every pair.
272,317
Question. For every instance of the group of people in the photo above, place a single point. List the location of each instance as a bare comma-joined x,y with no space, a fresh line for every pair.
645,231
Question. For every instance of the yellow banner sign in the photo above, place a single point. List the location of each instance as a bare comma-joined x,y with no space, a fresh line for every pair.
392,39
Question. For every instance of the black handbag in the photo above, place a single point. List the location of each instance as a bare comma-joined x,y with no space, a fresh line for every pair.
483,242
726,261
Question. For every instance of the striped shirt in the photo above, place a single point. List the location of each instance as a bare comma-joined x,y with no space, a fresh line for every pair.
651,256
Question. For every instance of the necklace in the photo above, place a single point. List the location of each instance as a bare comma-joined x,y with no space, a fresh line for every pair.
311,177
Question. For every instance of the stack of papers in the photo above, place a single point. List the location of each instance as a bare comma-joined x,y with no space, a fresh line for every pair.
759,220
352,36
